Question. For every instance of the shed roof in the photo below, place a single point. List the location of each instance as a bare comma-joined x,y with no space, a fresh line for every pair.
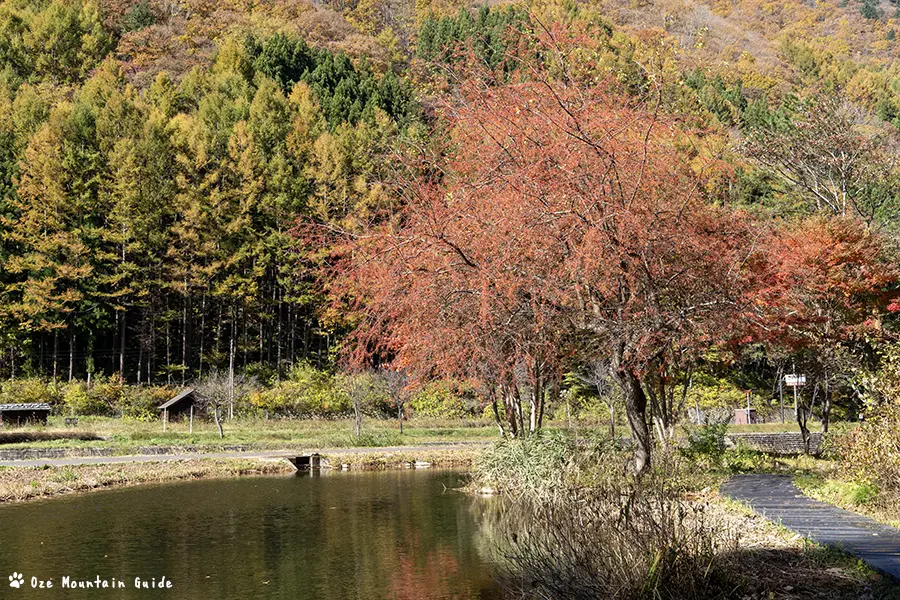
25,406
176,399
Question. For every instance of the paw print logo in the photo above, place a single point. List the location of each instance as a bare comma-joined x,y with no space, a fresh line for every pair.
16,580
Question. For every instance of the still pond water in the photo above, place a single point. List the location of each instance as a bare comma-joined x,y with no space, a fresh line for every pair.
366,536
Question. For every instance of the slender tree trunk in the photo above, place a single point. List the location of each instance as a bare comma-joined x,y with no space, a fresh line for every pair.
122,315
231,364
279,341
184,333
292,327
612,418
168,345
202,332
71,355
497,419
55,353
244,324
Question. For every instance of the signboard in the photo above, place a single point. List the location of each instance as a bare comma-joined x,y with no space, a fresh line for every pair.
794,380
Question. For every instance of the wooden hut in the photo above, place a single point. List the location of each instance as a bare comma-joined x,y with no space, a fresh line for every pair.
21,414
181,405
745,416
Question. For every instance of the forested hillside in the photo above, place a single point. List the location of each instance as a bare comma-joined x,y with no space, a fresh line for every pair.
156,157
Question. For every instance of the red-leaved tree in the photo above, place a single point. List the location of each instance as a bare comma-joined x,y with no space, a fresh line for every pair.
826,288
559,219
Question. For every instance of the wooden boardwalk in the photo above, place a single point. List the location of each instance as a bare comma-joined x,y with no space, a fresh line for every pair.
776,498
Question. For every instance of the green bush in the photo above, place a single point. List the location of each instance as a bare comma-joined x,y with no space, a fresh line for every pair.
31,389
447,399
870,453
307,392
742,459
706,444
140,403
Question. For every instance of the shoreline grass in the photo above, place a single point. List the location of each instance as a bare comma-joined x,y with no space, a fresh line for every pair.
20,484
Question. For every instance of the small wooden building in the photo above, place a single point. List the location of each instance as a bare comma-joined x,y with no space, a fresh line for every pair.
745,416
180,406
22,414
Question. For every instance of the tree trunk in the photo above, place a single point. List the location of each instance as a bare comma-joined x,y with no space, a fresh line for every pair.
357,415
231,365
122,315
71,355
218,419
55,353
497,419
635,411
612,419
184,333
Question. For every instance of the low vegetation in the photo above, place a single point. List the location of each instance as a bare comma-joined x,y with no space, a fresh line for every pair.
584,526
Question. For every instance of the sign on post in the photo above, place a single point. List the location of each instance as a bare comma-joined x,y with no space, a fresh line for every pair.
794,380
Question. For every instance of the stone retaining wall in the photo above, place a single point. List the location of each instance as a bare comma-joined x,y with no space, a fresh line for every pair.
776,443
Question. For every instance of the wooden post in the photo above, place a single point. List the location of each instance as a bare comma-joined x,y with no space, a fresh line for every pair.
192,419
781,395
165,418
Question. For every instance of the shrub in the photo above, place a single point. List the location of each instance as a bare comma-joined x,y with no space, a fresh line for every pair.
870,453
31,389
706,444
140,403
307,392
449,399
78,400
742,459
539,467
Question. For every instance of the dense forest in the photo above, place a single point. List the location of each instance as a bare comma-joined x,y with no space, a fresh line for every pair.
161,161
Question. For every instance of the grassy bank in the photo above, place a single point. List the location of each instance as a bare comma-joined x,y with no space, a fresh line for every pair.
28,483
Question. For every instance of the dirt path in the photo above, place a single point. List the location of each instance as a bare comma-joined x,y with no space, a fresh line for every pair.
776,498
256,454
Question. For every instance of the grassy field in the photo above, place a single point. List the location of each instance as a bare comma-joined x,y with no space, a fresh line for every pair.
129,434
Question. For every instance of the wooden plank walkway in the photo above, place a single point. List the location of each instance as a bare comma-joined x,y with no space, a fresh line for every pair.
778,499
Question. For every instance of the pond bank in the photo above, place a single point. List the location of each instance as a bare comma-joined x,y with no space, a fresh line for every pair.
22,483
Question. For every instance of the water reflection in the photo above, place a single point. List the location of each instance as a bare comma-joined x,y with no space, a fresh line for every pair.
396,535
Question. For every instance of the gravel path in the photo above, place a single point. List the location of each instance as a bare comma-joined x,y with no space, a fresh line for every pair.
778,499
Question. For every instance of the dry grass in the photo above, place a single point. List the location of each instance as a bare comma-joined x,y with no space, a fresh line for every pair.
26,436
27,483
774,563
377,461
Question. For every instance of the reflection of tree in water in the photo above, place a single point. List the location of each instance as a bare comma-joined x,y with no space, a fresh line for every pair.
423,572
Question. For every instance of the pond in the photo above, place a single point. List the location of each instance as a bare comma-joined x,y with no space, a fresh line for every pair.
338,536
